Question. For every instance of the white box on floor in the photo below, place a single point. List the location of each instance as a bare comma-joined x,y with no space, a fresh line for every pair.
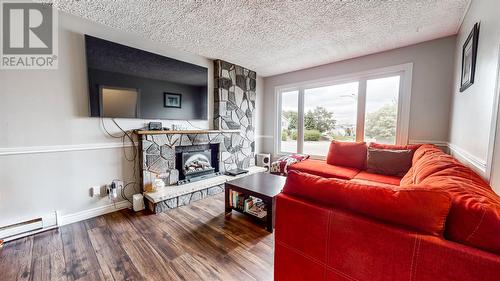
138,202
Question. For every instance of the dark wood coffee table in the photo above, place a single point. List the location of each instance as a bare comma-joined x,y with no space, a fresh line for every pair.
261,185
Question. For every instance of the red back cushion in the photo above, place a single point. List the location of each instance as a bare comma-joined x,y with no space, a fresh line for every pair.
400,206
394,146
408,177
474,217
348,154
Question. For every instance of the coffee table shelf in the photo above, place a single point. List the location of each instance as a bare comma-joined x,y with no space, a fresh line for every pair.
260,185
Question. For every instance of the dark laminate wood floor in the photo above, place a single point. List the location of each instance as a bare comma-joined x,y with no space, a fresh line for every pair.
195,242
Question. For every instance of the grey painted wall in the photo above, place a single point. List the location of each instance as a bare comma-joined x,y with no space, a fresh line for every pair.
473,119
433,61
48,109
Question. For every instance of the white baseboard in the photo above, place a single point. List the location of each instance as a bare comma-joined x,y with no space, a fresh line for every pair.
94,212
434,142
476,163
60,220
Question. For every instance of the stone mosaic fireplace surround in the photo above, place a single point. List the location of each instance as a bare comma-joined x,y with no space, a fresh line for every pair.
158,153
234,107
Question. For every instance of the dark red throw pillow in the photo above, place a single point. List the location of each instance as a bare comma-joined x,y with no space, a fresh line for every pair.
348,154
389,162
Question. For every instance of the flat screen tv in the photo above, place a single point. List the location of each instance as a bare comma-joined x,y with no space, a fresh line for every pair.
125,82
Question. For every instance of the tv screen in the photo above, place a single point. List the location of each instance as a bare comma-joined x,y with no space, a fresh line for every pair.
125,82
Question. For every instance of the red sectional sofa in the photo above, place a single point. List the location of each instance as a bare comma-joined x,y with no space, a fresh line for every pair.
440,221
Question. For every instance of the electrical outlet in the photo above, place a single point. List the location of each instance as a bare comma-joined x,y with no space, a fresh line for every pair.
112,191
118,184
114,188
95,191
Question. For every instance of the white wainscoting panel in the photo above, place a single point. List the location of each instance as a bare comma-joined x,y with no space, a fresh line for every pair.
476,163
61,148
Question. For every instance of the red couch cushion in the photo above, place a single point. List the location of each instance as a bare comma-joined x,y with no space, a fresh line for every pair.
424,149
393,146
408,178
379,178
401,206
348,154
321,168
372,183
430,160
474,217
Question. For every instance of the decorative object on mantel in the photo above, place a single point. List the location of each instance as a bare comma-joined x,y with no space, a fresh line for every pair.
234,108
158,185
469,55
155,126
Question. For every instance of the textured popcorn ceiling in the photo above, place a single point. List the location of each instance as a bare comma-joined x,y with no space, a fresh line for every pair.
273,37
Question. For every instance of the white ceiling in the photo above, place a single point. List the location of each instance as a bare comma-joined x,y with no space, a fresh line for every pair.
273,37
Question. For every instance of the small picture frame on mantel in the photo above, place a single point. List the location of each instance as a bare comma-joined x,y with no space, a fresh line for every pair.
172,100
469,55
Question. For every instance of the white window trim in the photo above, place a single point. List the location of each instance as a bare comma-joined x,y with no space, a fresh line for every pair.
404,101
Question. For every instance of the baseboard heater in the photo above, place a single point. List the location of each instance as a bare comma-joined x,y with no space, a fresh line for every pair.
28,227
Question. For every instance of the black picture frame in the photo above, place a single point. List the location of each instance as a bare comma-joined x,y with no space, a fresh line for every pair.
469,55
168,100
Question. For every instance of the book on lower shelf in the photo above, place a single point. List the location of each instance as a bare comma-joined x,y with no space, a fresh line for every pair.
236,199
258,209
247,204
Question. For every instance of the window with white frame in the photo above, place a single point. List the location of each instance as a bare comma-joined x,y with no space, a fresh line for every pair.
371,106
